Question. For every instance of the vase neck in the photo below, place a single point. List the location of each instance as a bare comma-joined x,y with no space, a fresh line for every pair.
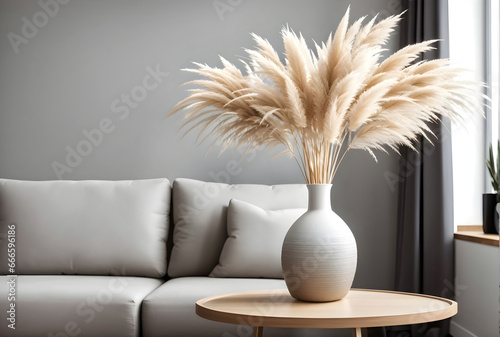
319,197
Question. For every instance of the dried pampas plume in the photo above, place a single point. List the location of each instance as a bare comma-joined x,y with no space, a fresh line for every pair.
318,100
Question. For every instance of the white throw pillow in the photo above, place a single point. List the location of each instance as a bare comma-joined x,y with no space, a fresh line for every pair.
255,238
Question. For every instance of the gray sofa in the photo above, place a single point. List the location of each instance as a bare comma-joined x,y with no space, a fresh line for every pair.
123,258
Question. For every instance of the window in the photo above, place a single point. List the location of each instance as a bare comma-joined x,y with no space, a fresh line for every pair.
492,69
469,33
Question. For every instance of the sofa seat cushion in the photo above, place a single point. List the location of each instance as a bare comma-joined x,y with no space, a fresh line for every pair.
87,227
169,311
69,305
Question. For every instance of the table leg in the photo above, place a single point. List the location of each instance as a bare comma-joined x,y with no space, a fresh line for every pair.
257,331
360,332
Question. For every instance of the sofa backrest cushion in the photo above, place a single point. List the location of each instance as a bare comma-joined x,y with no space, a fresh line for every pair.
86,227
199,214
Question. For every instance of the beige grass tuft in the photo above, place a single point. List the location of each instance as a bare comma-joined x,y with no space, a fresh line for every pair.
316,101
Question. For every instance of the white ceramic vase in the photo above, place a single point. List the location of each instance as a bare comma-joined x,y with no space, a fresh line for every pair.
319,253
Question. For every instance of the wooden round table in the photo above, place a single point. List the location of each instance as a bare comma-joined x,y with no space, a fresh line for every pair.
359,309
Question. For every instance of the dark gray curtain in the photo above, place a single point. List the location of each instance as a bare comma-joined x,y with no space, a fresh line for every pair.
425,256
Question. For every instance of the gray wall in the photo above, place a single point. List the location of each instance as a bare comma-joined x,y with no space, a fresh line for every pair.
67,74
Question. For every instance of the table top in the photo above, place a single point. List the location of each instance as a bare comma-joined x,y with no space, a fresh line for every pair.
360,308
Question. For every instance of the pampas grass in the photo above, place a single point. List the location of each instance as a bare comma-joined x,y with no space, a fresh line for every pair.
320,104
